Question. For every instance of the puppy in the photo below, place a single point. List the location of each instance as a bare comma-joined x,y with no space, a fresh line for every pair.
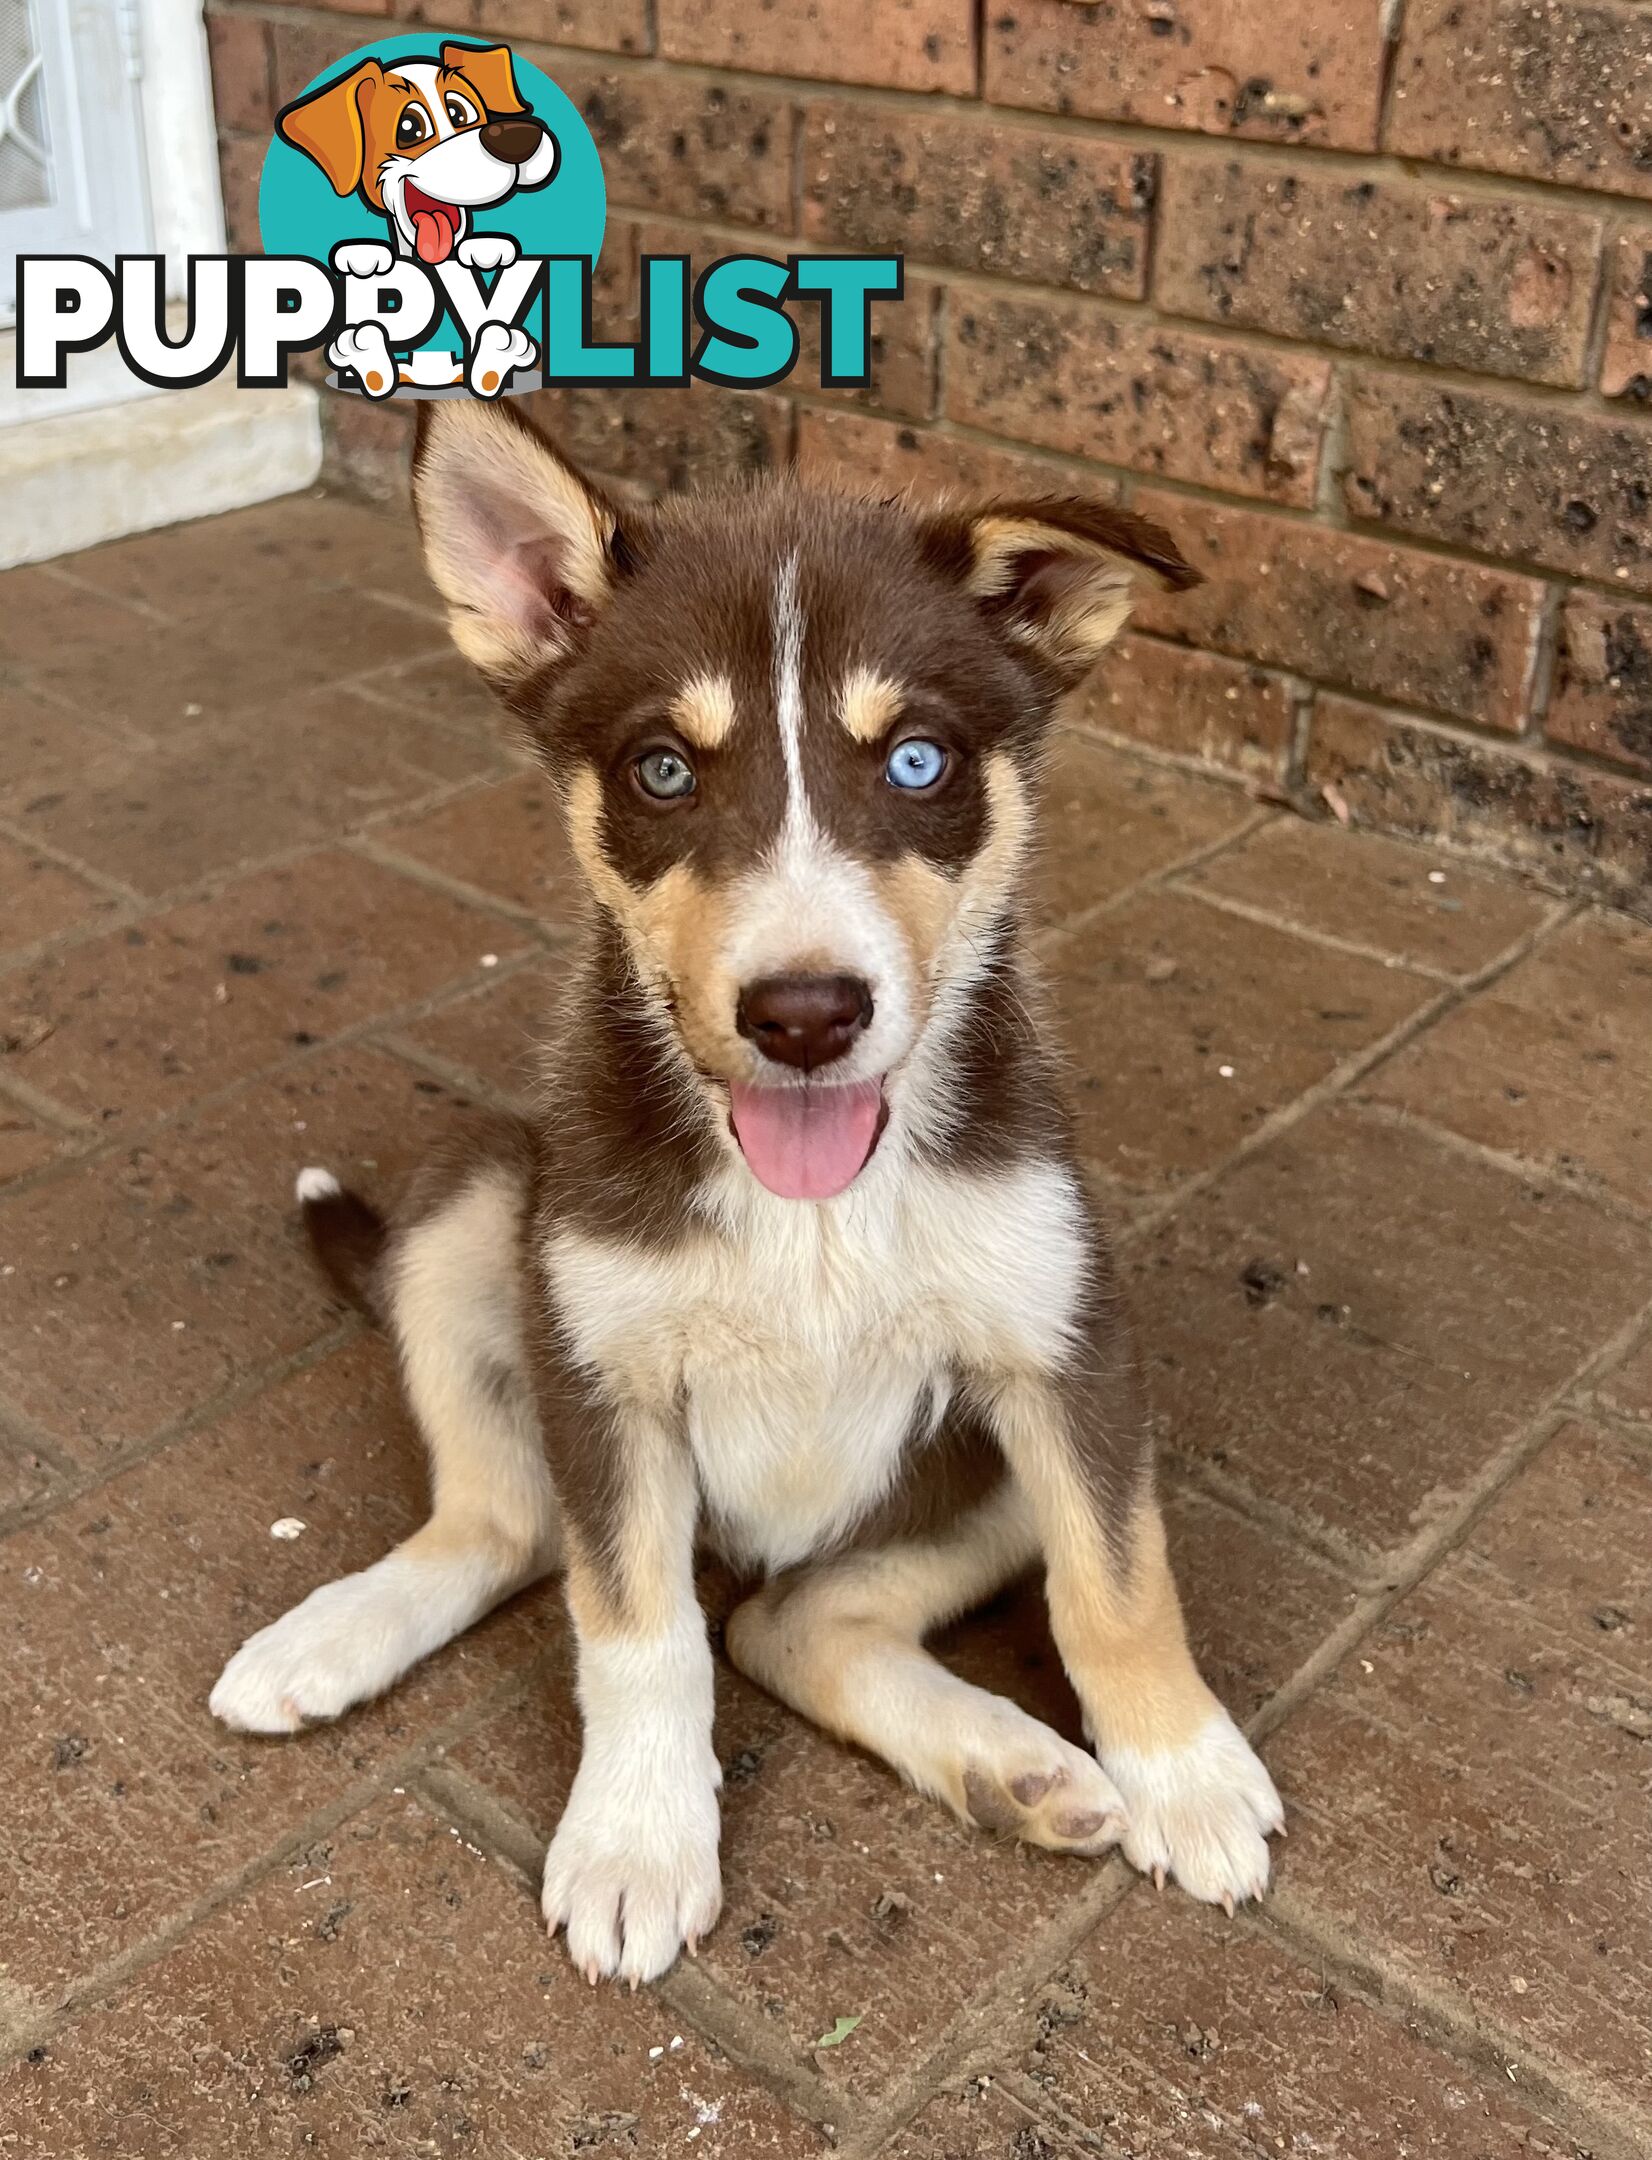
794,1259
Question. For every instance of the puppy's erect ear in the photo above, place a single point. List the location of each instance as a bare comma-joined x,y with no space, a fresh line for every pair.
488,70
1058,575
327,125
522,548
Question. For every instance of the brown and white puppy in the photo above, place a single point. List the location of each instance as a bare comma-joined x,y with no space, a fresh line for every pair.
794,1259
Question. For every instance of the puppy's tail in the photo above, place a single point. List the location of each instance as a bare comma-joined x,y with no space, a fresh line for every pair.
348,1238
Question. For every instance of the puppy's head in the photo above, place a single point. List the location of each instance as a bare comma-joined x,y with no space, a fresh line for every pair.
796,734
425,141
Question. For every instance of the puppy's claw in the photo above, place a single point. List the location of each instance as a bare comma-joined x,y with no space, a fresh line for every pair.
1158,1880
1227,1903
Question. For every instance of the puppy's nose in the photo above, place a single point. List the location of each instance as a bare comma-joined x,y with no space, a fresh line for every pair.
513,142
804,1021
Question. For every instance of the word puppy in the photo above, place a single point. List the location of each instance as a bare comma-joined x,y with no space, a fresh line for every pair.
794,1261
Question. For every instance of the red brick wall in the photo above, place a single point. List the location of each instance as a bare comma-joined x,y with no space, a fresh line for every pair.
1354,295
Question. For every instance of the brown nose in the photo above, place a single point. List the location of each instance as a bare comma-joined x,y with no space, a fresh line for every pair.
805,1021
512,141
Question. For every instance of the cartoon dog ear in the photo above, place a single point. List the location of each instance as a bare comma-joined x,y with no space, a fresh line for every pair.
328,125
1058,575
524,550
488,70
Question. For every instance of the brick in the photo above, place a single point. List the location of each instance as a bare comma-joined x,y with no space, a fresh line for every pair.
1223,67
975,195
240,170
1504,476
1161,993
133,1595
904,353
447,690
496,1033
303,49
858,451
141,1019
239,46
25,1143
897,44
1069,376
1105,821
1366,1278
237,563
148,1282
291,2009
606,25
981,2122
1628,1391
42,898
1192,704
683,147
1451,637
1407,777
1626,363
308,768
1489,1743
668,439
507,841
1399,900
1174,2030
25,1475
44,613
1503,287
43,742
1602,697
1550,89
1552,1064
367,449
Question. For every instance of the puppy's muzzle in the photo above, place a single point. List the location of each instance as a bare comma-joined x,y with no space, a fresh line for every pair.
805,1021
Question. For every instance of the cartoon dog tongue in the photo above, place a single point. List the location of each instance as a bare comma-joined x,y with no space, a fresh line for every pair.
435,226
806,1143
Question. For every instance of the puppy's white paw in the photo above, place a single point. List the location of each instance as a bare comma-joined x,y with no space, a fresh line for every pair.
499,349
365,350
631,1873
362,258
487,251
348,1640
1201,1813
1019,1777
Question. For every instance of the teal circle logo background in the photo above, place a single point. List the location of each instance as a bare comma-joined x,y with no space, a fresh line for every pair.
298,213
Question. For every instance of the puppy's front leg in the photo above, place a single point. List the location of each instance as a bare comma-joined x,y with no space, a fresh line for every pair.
1201,1806
632,1871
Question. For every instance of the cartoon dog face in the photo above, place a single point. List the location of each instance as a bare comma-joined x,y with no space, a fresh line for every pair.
425,142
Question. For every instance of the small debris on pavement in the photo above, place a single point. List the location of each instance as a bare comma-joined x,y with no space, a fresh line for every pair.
840,2031
287,1527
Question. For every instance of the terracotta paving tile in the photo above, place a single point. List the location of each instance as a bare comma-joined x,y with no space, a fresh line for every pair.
508,840
1553,1063
24,1475
42,743
1443,1299
447,688
1470,1789
152,676
495,1033
238,560
281,2017
147,1017
1177,2031
194,1228
25,1143
979,2125
39,898
1629,1389
1404,901
45,616
815,1834
1106,820
217,791
124,1801
1155,998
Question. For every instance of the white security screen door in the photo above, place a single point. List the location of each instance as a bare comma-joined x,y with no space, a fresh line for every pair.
72,178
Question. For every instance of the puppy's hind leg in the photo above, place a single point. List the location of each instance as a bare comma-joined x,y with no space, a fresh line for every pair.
450,1289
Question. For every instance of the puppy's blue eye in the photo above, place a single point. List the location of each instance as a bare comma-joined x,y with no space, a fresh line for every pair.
915,764
665,774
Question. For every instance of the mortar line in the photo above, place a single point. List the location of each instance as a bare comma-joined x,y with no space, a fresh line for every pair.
1248,911
1549,1178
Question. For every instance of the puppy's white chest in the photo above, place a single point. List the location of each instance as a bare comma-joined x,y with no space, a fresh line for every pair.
807,1346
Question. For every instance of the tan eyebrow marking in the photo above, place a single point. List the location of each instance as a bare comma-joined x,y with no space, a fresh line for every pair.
868,704
704,710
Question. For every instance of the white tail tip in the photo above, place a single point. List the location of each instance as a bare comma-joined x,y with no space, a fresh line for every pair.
316,1184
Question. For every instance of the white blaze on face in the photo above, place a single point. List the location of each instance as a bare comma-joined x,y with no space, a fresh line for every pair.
787,621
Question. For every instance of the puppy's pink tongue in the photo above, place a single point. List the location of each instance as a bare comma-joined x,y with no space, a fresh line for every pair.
806,1143
432,235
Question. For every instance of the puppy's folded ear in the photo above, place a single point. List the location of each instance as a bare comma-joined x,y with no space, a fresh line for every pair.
523,549
328,125
1057,575
488,70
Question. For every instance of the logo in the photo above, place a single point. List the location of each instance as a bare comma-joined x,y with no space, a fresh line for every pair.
432,212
